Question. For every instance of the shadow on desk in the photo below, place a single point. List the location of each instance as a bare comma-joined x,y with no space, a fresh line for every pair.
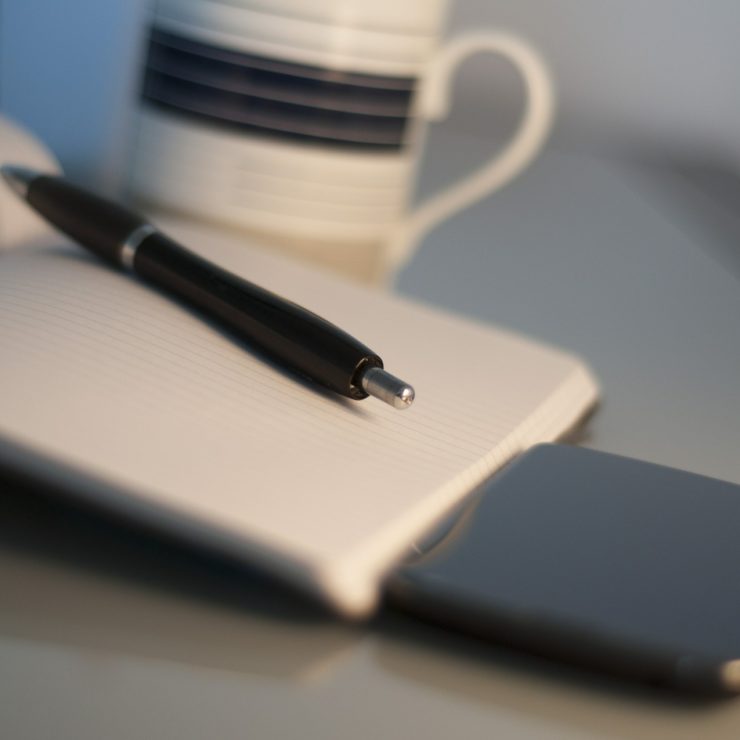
487,675
704,196
73,577
76,576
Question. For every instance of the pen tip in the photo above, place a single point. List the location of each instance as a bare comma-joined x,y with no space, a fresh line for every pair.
405,397
19,178
382,385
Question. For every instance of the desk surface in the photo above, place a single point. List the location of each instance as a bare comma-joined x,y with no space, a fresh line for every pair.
108,633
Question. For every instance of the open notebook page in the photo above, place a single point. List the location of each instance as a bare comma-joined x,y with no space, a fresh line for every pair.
17,146
190,431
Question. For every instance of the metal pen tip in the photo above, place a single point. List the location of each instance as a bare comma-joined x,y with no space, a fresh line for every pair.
382,385
19,178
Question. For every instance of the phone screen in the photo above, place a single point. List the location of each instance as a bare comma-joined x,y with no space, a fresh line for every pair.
600,560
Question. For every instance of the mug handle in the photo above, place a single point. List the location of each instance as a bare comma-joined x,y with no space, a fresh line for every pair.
434,105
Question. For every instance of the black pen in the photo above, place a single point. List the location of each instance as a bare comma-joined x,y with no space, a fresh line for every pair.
293,336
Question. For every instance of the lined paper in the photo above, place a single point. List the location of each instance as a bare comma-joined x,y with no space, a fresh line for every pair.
113,379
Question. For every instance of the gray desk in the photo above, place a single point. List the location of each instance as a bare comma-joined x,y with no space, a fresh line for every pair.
105,633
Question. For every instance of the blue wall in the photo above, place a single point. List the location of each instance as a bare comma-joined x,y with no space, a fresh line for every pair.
69,69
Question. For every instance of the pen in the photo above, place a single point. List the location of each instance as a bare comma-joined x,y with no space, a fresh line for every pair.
290,334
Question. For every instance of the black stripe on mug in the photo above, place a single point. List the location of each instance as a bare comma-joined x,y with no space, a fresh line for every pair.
191,78
198,48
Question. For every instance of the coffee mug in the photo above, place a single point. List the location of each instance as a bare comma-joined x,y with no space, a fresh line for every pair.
303,123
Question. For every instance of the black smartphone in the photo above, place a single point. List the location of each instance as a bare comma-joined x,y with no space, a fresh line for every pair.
603,561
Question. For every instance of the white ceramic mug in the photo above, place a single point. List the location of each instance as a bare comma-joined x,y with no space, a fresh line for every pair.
303,122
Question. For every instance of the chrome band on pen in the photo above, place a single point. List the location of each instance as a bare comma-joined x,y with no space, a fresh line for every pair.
133,240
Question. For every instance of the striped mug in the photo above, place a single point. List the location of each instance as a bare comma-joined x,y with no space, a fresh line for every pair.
302,123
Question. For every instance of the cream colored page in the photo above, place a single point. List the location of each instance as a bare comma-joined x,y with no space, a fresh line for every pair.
20,225
118,380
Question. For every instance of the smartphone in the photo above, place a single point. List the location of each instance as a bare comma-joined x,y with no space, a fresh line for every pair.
602,561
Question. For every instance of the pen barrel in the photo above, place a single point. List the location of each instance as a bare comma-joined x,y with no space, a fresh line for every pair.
297,338
96,223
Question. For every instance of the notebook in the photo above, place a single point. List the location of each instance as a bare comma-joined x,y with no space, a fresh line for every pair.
147,410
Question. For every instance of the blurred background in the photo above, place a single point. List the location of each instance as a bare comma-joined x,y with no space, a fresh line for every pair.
620,244
632,77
